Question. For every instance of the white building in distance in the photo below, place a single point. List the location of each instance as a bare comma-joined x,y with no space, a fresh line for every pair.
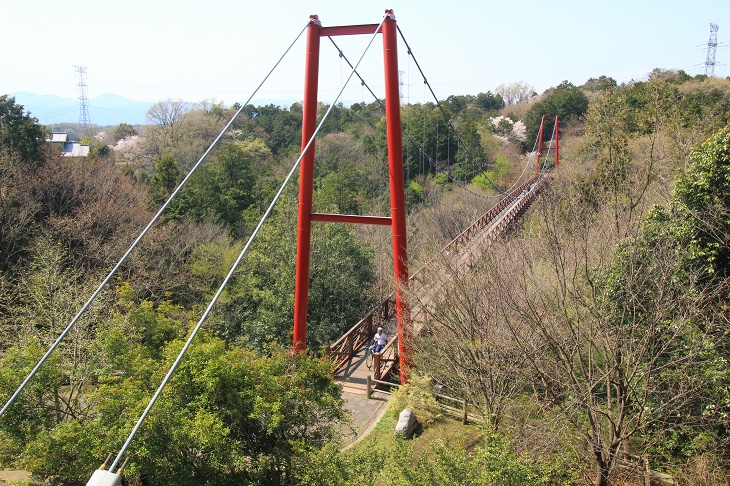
68,147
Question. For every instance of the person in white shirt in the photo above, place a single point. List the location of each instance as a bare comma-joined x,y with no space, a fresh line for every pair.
380,340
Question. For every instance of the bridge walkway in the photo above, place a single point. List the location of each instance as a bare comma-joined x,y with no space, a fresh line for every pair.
348,352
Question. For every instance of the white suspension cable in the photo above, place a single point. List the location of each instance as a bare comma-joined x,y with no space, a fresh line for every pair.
139,238
527,164
448,120
422,152
198,326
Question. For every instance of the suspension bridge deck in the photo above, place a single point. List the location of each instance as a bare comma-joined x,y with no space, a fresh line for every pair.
353,376
348,352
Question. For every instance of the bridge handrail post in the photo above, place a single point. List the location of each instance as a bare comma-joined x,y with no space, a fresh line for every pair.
376,365
350,350
369,389
369,332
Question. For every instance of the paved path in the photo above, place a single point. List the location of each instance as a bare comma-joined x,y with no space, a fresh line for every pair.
364,413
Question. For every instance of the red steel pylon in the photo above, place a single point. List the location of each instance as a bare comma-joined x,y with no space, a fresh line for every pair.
397,219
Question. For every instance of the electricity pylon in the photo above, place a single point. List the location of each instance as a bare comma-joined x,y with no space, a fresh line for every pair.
711,47
84,120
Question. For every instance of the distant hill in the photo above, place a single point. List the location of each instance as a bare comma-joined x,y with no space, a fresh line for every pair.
107,109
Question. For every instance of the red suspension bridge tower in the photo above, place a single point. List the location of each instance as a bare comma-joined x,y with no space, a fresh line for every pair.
539,142
397,219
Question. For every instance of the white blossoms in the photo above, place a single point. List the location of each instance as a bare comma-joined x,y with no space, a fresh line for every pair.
506,130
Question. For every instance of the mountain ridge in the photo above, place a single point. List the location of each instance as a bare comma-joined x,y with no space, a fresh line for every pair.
104,110
108,109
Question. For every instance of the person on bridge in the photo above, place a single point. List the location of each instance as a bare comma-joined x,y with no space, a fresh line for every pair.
380,340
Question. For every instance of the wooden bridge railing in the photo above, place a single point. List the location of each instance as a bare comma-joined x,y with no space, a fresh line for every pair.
374,384
359,335
639,465
521,194
384,361
486,219
520,206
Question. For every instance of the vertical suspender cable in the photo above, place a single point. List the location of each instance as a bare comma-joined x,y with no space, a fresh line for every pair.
139,238
422,151
438,104
203,318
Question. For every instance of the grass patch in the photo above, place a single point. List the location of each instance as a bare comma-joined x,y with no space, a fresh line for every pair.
443,452
446,429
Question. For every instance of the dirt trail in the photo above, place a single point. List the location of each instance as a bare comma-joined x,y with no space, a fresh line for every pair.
7,476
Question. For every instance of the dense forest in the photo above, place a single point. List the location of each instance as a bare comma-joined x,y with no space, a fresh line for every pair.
598,331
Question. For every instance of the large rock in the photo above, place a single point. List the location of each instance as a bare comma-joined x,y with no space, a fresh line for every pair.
407,424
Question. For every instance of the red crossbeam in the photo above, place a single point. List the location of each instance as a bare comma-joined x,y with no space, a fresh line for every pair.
351,218
348,30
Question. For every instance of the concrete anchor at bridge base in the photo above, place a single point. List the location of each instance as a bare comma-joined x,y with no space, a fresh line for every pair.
104,478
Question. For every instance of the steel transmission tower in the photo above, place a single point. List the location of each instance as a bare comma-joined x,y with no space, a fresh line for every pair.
84,119
711,47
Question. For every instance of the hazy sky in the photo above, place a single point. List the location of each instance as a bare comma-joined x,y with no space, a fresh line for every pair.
152,50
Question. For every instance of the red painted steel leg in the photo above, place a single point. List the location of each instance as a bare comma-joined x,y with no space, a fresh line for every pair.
557,143
306,185
539,145
397,193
